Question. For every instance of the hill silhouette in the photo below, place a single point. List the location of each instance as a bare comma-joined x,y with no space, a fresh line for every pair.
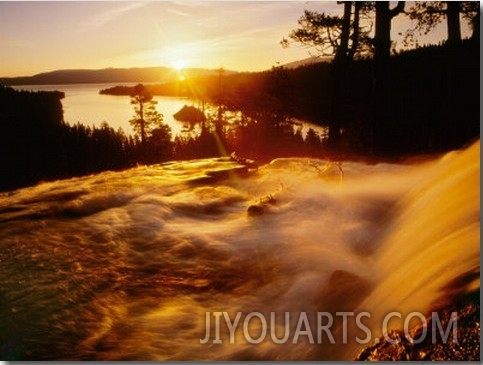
159,74
107,75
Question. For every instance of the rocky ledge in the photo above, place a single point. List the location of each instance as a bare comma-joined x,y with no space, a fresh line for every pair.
466,348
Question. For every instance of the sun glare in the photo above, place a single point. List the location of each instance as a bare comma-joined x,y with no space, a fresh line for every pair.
179,65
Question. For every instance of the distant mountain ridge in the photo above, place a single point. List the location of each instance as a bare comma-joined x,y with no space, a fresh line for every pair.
107,75
307,61
135,74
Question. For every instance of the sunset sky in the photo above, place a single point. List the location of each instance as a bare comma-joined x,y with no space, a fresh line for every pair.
244,36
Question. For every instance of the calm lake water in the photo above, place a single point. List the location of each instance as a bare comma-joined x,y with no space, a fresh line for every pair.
84,104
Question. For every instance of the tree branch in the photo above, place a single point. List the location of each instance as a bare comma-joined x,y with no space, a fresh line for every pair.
398,9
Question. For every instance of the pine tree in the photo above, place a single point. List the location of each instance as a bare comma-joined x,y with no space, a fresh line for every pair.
146,118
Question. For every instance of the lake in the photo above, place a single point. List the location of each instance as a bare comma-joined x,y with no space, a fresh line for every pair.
84,104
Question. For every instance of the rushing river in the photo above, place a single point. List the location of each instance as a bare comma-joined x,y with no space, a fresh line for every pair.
126,265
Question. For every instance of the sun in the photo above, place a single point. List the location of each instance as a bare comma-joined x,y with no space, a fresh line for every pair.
179,64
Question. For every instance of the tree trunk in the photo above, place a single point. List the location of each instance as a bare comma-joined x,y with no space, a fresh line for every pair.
382,43
141,122
355,30
475,24
338,78
453,22
382,39
344,37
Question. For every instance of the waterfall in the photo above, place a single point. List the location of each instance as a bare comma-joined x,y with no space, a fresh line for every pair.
126,265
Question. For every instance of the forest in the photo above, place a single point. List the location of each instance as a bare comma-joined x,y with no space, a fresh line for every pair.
377,105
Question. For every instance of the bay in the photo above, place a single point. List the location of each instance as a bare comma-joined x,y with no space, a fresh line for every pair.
84,104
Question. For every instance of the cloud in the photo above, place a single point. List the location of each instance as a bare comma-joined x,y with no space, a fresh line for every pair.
177,12
108,16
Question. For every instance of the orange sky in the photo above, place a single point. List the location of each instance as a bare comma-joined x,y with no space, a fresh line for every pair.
43,36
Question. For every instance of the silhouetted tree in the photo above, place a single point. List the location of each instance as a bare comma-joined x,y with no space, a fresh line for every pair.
428,14
471,13
220,94
453,21
146,117
312,141
36,144
159,144
382,37
382,52
338,36
277,92
333,35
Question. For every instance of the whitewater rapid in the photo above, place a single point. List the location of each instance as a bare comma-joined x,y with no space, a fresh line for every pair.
125,265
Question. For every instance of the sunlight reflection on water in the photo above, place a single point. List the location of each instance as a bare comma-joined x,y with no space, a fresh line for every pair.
124,265
84,104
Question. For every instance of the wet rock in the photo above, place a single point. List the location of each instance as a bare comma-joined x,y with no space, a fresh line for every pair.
251,164
255,210
262,206
466,348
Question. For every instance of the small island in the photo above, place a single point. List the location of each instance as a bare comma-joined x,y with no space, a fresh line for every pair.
190,114
166,89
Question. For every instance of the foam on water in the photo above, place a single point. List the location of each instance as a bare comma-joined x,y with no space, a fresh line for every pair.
124,265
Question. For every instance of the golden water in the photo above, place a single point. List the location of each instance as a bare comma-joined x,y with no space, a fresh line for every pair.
124,265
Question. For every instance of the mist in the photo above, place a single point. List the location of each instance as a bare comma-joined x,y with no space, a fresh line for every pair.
125,265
